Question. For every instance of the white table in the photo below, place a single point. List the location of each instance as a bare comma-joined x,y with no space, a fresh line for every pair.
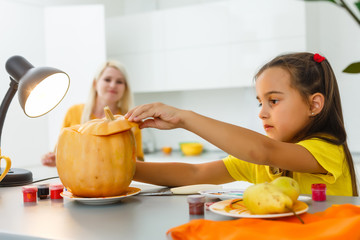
136,217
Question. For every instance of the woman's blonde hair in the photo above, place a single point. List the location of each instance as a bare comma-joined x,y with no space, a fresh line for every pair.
124,104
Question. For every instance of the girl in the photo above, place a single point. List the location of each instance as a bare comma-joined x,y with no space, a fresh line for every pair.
302,116
110,87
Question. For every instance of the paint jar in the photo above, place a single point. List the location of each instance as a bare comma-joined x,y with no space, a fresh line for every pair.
55,190
43,191
29,193
196,204
318,191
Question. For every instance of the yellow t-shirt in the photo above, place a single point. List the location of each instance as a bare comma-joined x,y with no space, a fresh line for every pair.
330,156
73,117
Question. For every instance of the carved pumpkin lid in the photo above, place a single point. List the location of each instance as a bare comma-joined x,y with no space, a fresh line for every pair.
111,124
102,127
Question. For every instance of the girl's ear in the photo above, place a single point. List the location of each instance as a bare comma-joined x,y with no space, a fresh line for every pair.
316,103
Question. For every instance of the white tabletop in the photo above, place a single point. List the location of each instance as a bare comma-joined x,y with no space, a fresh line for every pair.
136,217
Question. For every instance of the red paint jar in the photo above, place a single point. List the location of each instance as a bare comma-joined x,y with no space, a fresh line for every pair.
318,191
196,204
29,193
55,190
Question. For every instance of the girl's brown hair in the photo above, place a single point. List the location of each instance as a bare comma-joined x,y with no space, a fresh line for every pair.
309,77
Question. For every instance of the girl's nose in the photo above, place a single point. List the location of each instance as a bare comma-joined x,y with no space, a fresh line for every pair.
263,113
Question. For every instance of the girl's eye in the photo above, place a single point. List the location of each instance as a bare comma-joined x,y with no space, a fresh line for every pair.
274,101
260,104
120,82
107,79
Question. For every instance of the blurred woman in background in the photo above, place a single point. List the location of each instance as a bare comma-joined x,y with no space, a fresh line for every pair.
111,88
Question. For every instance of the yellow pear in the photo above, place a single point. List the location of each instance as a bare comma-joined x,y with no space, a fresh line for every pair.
266,198
288,186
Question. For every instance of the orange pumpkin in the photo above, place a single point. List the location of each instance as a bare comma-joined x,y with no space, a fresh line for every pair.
97,158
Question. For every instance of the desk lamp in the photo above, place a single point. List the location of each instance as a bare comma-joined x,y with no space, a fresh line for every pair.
41,89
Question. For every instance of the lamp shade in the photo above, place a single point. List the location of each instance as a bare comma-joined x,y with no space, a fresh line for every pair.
40,88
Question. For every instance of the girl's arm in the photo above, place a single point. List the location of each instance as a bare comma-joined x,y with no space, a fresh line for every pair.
180,174
240,142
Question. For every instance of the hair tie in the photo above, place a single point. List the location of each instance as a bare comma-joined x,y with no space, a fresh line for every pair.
318,58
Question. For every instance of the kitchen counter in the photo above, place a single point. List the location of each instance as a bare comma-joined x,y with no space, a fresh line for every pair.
136,217
206,156
177,156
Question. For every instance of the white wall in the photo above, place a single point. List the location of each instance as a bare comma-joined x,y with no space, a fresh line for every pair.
234,105
212,47
47,36
75,45
204,46
329,30
333,33
24,139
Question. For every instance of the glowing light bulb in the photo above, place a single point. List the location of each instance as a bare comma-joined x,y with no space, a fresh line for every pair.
46,95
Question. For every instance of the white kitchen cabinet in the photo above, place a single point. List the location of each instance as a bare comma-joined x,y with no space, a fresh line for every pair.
75,45
204,46
21,33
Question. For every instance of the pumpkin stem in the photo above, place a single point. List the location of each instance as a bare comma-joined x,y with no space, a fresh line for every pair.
108,114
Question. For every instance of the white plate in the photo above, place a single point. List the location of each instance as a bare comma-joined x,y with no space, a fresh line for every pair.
224,194
242,212
101,200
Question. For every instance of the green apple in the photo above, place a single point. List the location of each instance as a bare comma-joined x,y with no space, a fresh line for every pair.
288,186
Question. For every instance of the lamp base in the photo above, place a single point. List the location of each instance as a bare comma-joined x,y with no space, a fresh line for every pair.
16,177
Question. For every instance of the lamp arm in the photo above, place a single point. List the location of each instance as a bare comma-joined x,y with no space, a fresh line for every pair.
6,103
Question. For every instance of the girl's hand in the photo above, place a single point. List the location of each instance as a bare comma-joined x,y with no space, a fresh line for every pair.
155,115
49,159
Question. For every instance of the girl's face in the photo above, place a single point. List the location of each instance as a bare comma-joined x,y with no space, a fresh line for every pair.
110,86
283,111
